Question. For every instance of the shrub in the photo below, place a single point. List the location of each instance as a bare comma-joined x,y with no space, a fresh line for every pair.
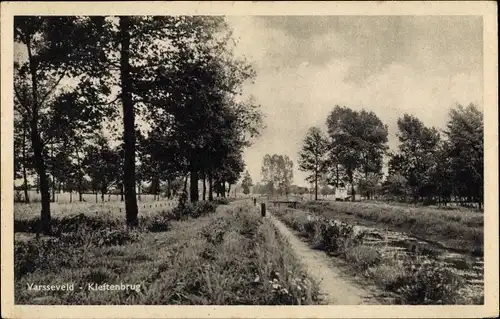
221,201
72,236
193,210
40,254
337,238
363,257
214,232
26,225
428,283
81,222
157,223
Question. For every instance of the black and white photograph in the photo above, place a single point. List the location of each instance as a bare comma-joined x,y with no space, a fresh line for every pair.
249,159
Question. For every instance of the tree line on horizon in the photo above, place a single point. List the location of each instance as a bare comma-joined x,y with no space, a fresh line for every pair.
76,76
429,165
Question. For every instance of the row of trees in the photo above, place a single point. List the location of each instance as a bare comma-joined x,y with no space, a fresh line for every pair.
75,75
277,174
438,166
429,165
351,151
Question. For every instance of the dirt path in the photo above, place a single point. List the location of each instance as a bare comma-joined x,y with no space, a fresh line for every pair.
335,287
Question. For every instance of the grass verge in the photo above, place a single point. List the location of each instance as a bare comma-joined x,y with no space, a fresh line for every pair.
461,230
414,279
228,257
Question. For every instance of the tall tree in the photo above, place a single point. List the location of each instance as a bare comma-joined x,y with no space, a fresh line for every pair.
39,70
417,149
465,135
102,165
312,157
277,173
246,183
22,153
194,94
357,143
129,174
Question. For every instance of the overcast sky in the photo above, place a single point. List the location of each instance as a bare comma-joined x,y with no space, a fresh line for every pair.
387,64
305,65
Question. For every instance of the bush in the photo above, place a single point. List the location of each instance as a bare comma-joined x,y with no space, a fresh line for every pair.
193,210
363,257
39,254
157,223
337,238
72,236
221,201
214,232
428,283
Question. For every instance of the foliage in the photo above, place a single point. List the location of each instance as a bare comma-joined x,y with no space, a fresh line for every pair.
232,257
312,157
415,280
102,164
221,201
428,283
40,99
193,210
432,169
246,183
460,229
277,173
358,142
465,148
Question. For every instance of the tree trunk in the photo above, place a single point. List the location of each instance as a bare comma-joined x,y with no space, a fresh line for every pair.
79,176
204,187
210,188
169,188
155,186
121,192
223,189
185,184
229,191
353,192
103,191
139,189
38,150
42,176
193,185
337,175
25,175
80,191
316,186
52,174
131,209
70,195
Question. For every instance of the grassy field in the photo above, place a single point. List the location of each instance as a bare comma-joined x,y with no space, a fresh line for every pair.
460,229
413,279
230,256
115,208
65,197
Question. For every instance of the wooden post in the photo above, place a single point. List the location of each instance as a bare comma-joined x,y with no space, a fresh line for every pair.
263,209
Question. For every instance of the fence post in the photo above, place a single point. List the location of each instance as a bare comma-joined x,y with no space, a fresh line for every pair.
263,209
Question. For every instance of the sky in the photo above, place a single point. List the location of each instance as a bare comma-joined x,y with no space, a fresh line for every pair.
305,65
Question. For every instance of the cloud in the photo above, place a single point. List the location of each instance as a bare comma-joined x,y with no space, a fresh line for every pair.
390,65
